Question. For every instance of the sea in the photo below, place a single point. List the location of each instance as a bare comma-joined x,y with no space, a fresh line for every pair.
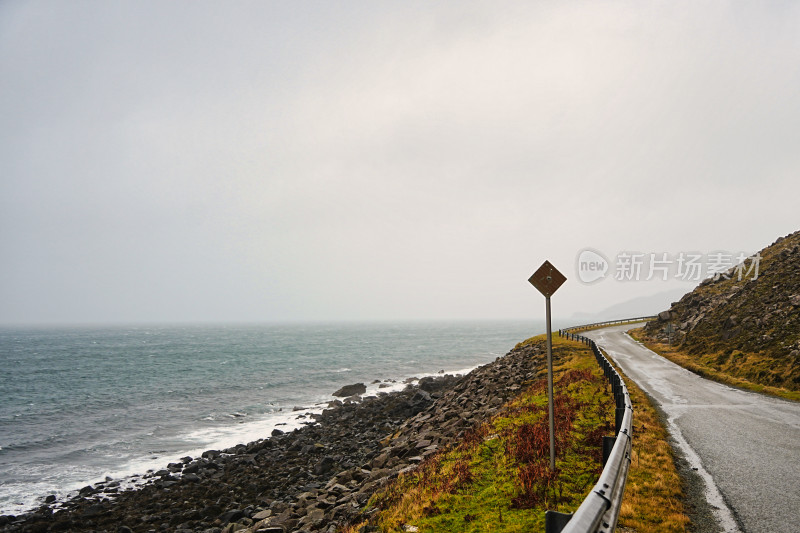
79,405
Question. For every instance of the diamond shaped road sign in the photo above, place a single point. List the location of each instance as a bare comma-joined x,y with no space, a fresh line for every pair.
547,279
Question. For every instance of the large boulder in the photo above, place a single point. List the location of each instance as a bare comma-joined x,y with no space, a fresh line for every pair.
351,390
438,383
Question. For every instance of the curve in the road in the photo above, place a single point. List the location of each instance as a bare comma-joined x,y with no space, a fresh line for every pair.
744,445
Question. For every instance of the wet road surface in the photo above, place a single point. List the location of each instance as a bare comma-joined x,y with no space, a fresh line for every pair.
746,446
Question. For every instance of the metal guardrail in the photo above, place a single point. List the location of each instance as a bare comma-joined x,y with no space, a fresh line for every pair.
600,509
584,327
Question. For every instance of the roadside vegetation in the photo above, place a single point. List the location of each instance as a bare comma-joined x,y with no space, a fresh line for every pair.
497,478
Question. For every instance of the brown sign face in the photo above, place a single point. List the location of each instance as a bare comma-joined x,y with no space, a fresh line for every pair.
547,279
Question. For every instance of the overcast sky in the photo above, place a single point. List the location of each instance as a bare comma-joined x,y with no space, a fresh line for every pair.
270,161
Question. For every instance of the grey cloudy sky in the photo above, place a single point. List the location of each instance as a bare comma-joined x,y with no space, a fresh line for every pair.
261,161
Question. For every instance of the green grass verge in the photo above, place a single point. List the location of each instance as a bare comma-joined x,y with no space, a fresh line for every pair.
497,478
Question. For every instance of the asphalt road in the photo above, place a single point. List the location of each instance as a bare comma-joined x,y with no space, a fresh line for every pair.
745,446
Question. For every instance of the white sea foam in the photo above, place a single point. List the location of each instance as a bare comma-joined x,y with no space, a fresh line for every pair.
401,383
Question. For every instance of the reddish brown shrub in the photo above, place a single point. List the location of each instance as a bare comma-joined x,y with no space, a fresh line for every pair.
576,376
475,436
460,475
536,480
530,442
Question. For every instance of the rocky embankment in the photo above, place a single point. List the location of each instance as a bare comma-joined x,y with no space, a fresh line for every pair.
316,478
732,317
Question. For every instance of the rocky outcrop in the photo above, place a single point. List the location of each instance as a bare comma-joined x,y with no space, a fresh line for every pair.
756,316
312,479
356,389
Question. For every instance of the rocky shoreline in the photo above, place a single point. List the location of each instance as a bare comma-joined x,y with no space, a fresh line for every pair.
316,478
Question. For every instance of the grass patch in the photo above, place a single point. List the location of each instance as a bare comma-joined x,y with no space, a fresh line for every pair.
497,478
744,370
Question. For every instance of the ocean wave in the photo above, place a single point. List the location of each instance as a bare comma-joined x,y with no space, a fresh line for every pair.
35,444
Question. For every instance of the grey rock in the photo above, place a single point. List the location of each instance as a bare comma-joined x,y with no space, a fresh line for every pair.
231,516
324,466
351,390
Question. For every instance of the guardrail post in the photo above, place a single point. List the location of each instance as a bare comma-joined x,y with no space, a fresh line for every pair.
554,521
608,445
619,414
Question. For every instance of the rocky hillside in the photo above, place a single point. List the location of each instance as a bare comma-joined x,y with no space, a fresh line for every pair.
749,328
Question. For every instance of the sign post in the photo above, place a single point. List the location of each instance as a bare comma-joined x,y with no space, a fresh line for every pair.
547,279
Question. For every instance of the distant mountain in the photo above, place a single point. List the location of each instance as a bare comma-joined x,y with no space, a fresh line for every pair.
636,307
748,328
